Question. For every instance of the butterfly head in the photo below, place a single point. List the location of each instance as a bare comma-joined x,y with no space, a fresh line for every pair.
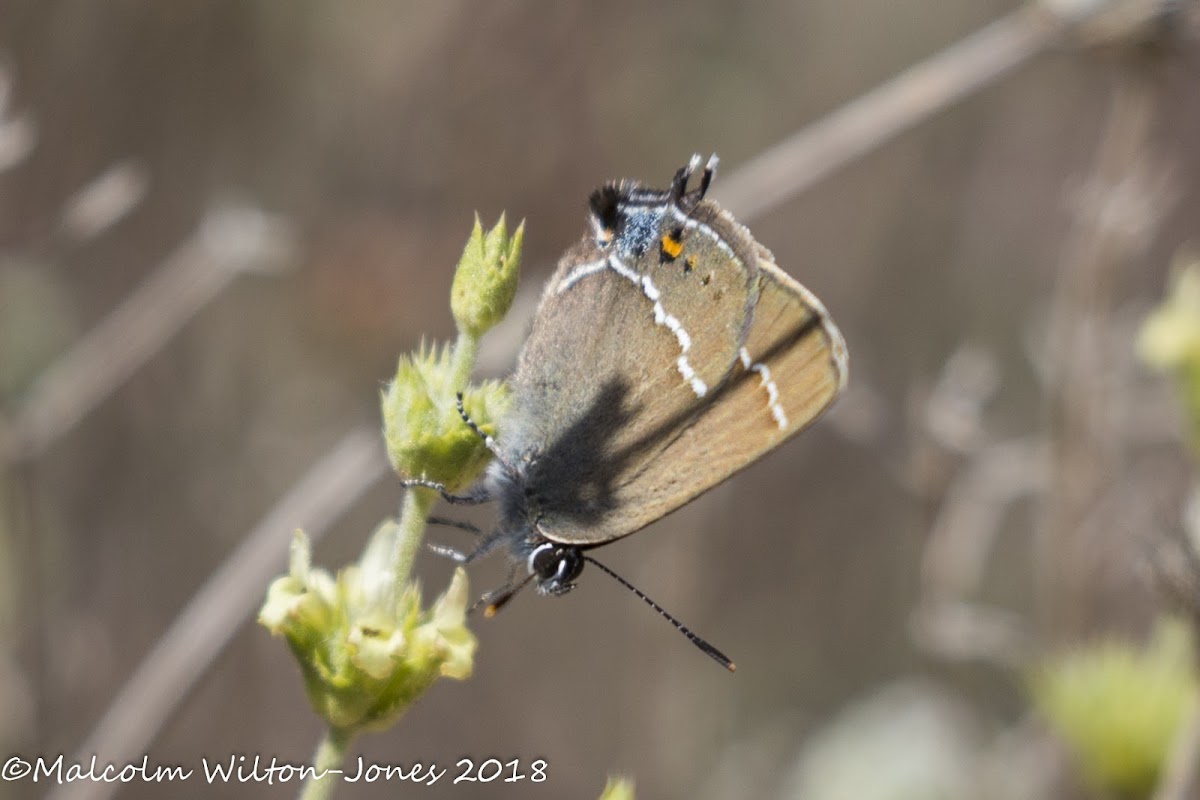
633,219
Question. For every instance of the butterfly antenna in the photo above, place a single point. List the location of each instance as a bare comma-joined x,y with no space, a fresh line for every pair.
708,649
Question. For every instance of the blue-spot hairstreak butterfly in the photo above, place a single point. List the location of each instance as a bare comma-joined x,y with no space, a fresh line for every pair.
668,352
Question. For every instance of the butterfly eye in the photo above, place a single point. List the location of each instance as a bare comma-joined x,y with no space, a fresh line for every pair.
555,566
544,561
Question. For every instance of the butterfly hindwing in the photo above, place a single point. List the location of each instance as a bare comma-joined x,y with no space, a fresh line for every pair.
659,371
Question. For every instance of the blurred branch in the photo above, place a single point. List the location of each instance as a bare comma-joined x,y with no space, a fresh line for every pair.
975,484
228,242
1116,214
960,543
105,200
959,631
969,65
18,133
226,600
814,152
969,521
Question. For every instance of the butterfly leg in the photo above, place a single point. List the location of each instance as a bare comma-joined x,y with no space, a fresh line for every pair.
488,441
486,545
457,556
474,497
454,523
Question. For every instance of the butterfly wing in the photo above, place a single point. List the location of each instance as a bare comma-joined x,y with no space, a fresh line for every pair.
657,374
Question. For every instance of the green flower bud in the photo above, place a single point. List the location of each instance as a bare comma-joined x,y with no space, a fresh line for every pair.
1120,708
486,280
365,646
425,436
1170,340
618,789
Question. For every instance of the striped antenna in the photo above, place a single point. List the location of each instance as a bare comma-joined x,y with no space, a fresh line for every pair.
708,649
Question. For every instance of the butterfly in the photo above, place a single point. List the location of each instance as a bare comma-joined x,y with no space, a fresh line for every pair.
668,353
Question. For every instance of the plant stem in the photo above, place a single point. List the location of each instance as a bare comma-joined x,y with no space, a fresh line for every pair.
411,530
330,754
466,350
418,502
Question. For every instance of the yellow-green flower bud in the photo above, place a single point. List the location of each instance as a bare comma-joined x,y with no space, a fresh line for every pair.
1120,708
618,789
486,280
1171,336
425,436
365,646
1170,340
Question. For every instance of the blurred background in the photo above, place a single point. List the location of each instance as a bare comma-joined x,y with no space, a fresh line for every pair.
239,213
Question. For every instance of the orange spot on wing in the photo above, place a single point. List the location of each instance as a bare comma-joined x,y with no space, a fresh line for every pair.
671,246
